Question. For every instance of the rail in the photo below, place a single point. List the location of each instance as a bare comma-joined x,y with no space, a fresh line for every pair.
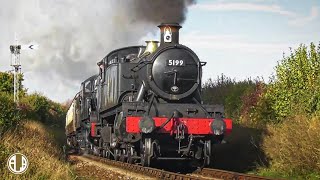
205,173
228,175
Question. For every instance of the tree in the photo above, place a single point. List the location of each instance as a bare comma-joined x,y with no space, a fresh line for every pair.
296,85
6,83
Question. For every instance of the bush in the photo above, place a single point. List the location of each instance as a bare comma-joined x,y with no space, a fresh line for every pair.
6,83
229,93
253,108
9,113
294,146
39,107
296,84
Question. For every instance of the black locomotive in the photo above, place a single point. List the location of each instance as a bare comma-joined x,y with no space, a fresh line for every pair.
145,105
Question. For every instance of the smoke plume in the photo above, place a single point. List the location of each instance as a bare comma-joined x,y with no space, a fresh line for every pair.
73,35
158,11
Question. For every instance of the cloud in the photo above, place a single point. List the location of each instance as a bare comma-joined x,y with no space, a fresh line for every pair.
243,7
232,43
294,17
73,35
299,21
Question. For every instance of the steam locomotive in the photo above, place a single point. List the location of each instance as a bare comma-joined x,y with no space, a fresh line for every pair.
145,105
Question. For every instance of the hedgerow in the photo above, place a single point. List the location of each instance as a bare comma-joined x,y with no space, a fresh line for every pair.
31,106
293,100
228,92
9,113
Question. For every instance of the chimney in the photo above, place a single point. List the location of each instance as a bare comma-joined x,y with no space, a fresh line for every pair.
169,33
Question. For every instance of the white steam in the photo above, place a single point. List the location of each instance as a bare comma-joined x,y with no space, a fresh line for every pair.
72,35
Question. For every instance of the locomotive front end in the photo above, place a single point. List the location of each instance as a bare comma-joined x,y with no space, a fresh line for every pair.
176,70
168,110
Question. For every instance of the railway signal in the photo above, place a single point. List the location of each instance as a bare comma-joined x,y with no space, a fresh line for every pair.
16,64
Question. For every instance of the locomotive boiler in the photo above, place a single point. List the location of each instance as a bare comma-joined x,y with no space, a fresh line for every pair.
145,105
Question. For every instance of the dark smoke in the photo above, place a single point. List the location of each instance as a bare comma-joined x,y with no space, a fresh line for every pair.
159,11
73,35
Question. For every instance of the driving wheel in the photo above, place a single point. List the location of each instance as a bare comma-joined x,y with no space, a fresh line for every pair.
206,153
146,152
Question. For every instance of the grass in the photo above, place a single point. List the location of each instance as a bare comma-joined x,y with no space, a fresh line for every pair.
39,145
282,175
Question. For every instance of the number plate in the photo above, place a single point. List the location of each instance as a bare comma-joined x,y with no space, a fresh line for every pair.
175,62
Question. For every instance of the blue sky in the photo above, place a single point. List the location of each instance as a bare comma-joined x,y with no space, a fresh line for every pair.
244,39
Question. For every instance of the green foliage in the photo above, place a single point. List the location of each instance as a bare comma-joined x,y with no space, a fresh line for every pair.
6,83
296,85
39,107
228,92
34,106
9,114
289,108
255,107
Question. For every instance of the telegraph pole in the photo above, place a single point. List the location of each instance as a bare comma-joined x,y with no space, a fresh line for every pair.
16,64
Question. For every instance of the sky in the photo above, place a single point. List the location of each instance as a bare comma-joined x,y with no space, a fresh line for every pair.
243,39
240,39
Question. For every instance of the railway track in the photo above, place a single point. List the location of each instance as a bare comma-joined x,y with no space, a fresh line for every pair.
228,175
203,174
152,172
